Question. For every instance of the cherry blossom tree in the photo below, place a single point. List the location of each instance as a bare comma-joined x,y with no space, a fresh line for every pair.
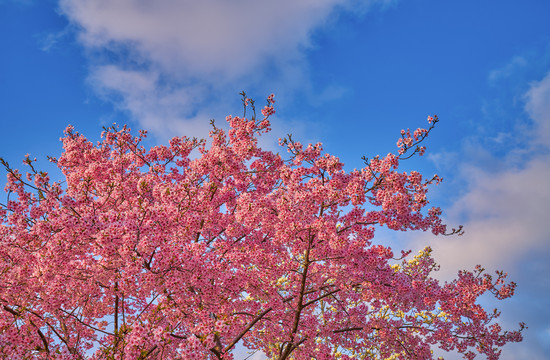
163,254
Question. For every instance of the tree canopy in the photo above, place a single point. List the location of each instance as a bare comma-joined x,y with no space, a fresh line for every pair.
184,250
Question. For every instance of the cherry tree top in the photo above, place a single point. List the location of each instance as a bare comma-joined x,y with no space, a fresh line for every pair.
153,254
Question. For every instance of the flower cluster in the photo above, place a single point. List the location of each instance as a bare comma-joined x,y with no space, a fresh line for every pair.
184,250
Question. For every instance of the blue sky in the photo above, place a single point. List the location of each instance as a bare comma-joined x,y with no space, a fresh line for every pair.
348,73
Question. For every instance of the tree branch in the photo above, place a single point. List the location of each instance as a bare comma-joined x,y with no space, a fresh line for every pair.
242,333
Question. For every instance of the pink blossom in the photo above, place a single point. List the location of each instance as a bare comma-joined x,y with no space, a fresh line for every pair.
160,254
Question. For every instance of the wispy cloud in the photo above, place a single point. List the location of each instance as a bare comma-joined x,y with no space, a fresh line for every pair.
50,40
505,212
538,106
505,209
165,60
157,107
507,69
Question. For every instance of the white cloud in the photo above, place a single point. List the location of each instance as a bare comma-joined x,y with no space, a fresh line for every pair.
505,210
159,108
505,215
538,106
209,36
160,60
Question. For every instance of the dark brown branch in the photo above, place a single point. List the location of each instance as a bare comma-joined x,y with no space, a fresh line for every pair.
300,306
347,329
321,297
116,339
87,325
144,356
41,334
242,333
